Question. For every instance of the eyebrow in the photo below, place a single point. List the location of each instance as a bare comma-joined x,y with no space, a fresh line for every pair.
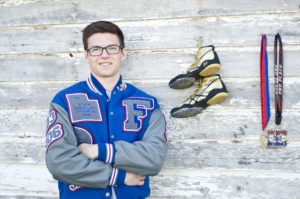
104,46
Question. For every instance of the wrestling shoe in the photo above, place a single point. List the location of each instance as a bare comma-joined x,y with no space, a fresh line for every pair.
206,63
210,91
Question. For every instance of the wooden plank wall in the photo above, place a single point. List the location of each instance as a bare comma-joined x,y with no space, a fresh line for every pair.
213,155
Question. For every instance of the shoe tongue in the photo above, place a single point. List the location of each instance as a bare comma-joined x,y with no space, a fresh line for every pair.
205,50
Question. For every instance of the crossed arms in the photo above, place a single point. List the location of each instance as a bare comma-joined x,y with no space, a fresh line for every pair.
87,165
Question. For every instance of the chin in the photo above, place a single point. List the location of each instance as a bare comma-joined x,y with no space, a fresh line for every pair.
105,75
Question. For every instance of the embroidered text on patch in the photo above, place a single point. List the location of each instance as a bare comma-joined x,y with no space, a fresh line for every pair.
82,108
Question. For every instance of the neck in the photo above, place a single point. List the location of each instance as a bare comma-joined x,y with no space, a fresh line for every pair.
108,83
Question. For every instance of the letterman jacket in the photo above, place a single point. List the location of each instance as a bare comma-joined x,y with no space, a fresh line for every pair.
128,127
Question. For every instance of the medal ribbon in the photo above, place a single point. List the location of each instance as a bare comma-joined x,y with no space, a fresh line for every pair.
278,75
264,83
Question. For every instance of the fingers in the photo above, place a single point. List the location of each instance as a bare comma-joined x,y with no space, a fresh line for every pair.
82,146
140,183
141,180
139,177
134,179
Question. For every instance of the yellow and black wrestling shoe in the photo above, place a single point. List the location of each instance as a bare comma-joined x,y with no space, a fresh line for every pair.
206,63
211,90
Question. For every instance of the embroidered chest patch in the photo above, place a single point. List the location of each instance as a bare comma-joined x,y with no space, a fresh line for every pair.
136,110
82,108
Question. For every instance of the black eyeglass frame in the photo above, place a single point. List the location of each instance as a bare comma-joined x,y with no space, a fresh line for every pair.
120,48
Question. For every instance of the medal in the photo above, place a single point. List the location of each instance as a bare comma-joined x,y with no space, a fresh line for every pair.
277,137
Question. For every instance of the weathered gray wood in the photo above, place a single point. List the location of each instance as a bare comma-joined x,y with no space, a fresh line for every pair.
215,154
182,154
212,124
170,183
219,124
226,184
22,150
244,93
140,66
145,35
212,155
23,123
173,33
241,31
68,11
26,179
42,68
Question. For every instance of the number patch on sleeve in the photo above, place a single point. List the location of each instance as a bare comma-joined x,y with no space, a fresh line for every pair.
51,118
54,134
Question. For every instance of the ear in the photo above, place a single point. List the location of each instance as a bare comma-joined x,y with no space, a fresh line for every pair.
124,54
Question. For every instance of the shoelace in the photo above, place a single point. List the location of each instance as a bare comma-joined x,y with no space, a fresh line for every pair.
197,90
196,56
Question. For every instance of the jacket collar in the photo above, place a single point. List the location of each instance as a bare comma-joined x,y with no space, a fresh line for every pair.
96,86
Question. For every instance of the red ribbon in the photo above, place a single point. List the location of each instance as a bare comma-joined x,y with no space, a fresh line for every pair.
264,83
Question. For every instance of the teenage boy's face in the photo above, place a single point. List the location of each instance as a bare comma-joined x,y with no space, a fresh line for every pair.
105,65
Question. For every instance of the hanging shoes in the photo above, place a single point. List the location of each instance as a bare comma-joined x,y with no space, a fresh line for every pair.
211,90
206,63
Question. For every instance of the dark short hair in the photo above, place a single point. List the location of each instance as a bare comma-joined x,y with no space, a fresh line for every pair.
101,27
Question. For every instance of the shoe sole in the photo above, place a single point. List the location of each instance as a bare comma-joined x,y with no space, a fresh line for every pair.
186,82
210,70
218,98
183,83
188,112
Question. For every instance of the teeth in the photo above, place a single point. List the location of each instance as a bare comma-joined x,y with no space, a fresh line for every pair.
105,64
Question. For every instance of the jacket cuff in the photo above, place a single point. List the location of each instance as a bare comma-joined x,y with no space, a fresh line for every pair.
106,152
117,177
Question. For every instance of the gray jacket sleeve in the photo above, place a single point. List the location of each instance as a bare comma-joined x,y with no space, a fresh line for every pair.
145,157
64,160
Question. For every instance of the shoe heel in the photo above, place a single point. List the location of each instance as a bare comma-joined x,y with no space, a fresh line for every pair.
220,97
210,70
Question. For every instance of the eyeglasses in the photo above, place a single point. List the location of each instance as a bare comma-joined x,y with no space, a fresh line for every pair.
98,50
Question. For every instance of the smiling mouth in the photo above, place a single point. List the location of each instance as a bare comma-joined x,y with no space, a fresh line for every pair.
105,64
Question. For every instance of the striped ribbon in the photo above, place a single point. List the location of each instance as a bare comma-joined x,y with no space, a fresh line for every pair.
264,83
278,75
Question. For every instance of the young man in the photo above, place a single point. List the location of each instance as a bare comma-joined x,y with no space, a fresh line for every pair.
104,137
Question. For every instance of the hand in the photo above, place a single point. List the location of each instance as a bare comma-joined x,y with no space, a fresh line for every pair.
90,150
132,179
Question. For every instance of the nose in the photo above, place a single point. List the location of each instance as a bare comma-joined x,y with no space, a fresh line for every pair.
104,53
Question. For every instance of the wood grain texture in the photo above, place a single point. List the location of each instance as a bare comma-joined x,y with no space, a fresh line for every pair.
163,34
244,93
159,65
212,124
170,183
212,155
68,11
183,154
